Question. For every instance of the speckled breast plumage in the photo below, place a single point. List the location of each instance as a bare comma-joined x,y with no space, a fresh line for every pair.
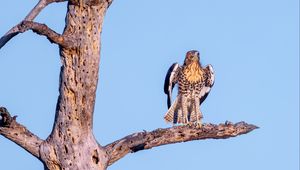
189,88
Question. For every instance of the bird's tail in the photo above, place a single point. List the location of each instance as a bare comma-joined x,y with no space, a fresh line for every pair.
174,114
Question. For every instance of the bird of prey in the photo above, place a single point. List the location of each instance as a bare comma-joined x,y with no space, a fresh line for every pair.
194,84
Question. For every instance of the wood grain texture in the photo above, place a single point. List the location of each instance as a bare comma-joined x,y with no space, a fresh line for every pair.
72,139
147,140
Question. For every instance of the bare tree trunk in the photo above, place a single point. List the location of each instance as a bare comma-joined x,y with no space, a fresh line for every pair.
71,144
72,141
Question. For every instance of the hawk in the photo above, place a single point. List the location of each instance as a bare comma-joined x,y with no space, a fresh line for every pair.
194,84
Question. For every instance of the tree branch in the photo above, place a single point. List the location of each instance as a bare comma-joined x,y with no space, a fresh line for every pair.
147,140
30,17
43,29
17,133
51,1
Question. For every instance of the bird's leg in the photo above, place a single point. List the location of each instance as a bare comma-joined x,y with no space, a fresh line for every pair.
184,107
199,115
191,112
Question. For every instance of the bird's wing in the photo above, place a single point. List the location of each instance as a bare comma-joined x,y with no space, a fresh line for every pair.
170,81
209,82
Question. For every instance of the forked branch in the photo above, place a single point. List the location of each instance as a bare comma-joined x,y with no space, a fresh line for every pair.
18,133
43,29
30,17
147,140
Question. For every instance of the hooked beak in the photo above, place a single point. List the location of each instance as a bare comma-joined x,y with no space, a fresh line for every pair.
196,56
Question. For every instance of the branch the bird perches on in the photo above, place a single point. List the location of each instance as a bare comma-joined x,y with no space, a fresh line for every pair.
136,141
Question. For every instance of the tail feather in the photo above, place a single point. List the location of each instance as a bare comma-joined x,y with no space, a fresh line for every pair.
175,115
172,114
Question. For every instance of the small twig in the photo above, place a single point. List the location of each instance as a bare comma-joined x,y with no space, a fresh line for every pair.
18,133
51,1
36,10
147,140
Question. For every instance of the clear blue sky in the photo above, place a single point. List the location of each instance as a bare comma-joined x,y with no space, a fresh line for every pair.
253,46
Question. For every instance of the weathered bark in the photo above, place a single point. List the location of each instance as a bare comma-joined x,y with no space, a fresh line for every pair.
52,36
147,140
71,144
72,139
18,133
30,17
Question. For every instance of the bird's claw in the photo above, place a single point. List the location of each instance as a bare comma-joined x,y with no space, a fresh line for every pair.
190,123
199,124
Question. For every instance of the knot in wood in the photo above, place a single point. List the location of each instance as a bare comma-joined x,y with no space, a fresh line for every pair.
6,119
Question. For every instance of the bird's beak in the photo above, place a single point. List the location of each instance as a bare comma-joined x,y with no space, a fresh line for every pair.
195,57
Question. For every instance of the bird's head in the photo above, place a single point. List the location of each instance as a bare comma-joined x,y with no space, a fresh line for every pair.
192,67
191,57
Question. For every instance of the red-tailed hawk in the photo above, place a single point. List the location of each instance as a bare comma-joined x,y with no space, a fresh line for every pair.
194,84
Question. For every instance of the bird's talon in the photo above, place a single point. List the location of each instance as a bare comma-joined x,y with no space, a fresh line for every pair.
199,125
190,124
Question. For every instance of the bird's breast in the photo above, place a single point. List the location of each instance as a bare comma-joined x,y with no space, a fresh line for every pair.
193,73
187,87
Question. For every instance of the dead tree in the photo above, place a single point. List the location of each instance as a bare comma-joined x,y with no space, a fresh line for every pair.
71,144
